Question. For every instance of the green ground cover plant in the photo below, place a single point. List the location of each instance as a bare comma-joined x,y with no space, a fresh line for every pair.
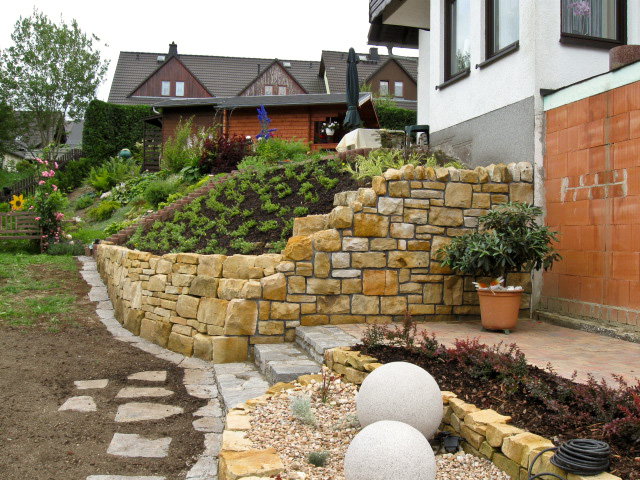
250,213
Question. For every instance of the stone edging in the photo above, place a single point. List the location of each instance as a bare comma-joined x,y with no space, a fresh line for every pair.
485,433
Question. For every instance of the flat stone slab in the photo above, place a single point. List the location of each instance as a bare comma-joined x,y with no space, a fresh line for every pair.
150,376
196,376
122,477
202,391
211,409
79,404
141,392
212,444
140,411
98,294
91,384
284,362
205,468
132,445
316,340
209,424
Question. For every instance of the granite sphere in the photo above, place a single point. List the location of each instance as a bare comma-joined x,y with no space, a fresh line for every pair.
389,449
403,392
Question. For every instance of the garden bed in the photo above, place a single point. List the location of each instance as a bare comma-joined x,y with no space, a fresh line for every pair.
539,401
250,213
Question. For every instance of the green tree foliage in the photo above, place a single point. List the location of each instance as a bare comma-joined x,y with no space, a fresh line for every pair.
394,118
7,128
109,128
52,71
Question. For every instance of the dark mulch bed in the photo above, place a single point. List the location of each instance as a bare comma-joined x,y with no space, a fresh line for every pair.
528,413
287,191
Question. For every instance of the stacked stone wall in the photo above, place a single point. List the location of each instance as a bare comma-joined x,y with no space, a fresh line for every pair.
371,259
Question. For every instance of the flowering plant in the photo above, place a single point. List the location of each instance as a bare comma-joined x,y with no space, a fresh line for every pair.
47,203
265,132
332,125
17,203
581,13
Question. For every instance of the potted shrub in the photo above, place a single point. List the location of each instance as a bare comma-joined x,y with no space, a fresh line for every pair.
508,240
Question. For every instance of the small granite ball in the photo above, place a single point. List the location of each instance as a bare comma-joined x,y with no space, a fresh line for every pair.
403,392
389,449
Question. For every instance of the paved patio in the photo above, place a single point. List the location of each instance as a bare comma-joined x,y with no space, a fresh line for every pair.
542,343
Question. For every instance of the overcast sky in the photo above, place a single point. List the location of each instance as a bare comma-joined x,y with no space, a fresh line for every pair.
286,29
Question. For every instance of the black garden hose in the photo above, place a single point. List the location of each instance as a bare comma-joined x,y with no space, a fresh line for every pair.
580,456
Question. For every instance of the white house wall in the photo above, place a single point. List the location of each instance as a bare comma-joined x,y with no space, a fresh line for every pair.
424,66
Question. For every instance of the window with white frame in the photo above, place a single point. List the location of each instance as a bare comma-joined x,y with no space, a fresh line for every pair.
398,89
166,88
268,89
179,89
282,90
384,87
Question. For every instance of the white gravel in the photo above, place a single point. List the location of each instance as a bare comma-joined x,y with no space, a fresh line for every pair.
273,425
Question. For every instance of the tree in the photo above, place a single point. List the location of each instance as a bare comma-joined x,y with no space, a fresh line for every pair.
51,72
8,129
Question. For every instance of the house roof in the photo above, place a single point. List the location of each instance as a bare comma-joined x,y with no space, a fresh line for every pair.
222,76
335,66
266,100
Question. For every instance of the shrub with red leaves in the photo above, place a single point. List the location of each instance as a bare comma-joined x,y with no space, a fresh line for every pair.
222,154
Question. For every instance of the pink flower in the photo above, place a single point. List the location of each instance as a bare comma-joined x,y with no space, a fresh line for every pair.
55,164
31,207
59,215
51,173
46,162
41,182
38,218
39,160
55,188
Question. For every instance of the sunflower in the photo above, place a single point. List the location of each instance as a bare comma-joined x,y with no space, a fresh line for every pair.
17,203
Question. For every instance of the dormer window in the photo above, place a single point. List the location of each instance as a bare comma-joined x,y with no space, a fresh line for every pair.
179,89
166,89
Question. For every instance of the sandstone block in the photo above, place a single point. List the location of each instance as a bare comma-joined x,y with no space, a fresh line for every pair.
371,225
181,280
346,319
367,197
230,288
481,200
271,328
341,217
187,306
390,206
469,176
313,320
241,317
474,438
403,230
250,463
212,311
251,289
154,331
508,466
354,244
419,245
392,174
404,259
462,408
304,269
274,287
380,282
298,248
309,224
327,241
339,260
189,258
399,189
229,349
393,305
164,266
453,290
180,344
432,293
495,188
298,284
448,217
543,464
498,172
458,195
241,266
351,285
204,286
157,283
379,185
328,304
526,172
384,244
369,260
521,192
132,319
442,174
285,311
211,265
365,304
477,421
518,447
184,268
202,346
319,286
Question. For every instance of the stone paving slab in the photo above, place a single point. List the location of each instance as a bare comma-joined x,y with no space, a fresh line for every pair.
206,468
238,382
91,384
133,445
211,409
141,392
141,411
284,362
316,340
98,294
194,376
150,376
209,424
79,404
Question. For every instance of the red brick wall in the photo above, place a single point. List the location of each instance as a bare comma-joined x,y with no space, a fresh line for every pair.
592,188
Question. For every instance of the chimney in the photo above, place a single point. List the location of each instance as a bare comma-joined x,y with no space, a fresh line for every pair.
389,50
173,49
373,54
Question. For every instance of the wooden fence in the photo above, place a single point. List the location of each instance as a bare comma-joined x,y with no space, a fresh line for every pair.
27,186
20,225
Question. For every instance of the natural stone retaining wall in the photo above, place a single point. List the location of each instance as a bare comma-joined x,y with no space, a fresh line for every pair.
486,433
372,259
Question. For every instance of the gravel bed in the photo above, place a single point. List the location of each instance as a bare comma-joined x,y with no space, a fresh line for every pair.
273,425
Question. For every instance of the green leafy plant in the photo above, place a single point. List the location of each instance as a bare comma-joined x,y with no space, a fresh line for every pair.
318,459
103,211
178,150
65,248
277,149
84,201
112,172
301,409
159,191
512,241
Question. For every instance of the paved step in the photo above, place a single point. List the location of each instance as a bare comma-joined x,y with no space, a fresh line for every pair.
284,362
316,340
238,382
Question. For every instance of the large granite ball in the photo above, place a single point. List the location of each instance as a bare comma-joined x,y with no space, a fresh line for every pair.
403,392
389,449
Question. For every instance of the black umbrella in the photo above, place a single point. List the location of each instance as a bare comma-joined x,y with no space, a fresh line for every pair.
352,120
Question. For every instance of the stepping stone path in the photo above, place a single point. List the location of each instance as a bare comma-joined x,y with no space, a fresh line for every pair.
132,445
79,404
199,381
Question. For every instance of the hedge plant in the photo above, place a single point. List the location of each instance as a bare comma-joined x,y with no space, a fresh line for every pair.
395,118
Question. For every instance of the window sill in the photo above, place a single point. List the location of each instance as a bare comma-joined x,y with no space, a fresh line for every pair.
454,79
500,54
607,44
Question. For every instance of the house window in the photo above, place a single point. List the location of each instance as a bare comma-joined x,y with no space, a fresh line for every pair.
457,37
282,90
179,89
166,89
384,88
594,22
268,89
398,88
502,25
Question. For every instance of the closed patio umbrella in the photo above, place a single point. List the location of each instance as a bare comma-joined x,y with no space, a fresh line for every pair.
352,120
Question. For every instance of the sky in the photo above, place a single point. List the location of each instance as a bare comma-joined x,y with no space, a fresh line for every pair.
284,29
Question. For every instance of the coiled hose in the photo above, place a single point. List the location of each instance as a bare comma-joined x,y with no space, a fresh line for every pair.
580,456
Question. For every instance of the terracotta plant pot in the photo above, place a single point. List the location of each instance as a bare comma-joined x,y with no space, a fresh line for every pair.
499,310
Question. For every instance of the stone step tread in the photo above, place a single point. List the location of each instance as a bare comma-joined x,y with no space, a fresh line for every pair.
316,340
284,362
239,382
